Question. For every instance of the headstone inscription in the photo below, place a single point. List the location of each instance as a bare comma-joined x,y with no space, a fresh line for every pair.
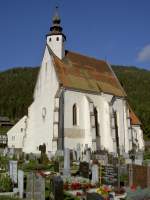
13,170
66,170
84,169
21,183
57,188
95,173
109,175
35,187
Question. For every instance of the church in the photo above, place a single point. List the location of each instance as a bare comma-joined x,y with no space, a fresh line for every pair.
77,101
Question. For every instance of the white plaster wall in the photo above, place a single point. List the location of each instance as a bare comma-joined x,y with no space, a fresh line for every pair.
16,133
72,97
138,135
127,133
121,109
56,46
40,128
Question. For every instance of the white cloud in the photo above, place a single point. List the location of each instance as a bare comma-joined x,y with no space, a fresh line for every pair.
144,54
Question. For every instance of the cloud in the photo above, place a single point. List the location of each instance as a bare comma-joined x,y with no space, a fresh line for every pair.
144,54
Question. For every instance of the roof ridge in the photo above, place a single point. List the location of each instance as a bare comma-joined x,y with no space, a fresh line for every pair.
86,56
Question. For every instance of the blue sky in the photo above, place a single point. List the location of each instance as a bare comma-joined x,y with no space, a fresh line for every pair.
116,30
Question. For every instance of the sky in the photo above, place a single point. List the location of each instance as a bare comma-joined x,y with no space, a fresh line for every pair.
115,30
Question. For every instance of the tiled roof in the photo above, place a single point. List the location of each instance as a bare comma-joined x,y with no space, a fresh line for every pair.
80,72
134,119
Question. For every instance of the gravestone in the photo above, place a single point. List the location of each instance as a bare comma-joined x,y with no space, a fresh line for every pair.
88,155
102,158
95,173
5,152
110,175
13,170
56,166
78,152
74,155
57,188
21,183
49,155
11,152
94,196
84,169
32,156
66,170
35,187
59,153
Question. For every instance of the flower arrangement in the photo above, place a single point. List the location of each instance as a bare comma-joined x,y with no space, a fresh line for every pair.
78,186
104,191
77,183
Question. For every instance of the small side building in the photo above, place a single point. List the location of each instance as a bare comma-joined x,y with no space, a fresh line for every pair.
15,135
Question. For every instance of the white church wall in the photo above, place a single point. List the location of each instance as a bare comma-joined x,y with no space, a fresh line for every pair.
40,122
56,43
138,136
124,131
83,129
16,134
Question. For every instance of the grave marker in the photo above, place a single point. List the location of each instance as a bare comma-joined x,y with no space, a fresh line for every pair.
57,188
21,183
13,170
84,169
66,170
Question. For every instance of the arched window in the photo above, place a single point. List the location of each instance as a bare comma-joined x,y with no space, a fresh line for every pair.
96,121
74,112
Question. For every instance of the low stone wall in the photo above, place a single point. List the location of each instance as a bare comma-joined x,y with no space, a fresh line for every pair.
11,194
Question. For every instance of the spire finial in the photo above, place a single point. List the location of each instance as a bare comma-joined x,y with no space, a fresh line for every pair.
56,28
56,17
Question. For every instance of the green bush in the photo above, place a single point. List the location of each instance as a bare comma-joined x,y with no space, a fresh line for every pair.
5,183
33,165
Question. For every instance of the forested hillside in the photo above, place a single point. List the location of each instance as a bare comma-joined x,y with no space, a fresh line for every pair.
17,85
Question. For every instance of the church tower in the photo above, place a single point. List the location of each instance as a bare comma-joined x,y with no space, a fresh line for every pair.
55,38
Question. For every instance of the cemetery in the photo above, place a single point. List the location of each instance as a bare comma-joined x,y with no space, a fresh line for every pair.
72,175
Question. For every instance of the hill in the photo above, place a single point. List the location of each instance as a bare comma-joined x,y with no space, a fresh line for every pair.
17,85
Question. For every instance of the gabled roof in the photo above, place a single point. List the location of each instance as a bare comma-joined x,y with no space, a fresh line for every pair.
134,119
84,73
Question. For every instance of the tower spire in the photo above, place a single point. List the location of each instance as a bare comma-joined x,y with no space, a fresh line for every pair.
55,38
56,28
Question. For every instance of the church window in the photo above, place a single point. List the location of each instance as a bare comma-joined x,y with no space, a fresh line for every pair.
75,114
21,129
13,137
57,39
50,39
96,121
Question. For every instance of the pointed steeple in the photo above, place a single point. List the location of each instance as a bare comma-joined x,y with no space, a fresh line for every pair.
56,28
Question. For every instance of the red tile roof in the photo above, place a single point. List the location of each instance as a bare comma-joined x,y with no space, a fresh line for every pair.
80,72
134,119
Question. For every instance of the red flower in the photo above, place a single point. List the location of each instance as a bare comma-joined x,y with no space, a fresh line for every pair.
133,187
78,194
